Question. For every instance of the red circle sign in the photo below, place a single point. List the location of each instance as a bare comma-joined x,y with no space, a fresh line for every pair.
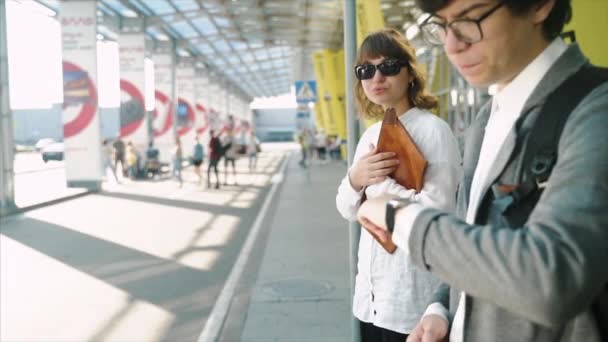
190,118
136,95
203,128
78,89
164,99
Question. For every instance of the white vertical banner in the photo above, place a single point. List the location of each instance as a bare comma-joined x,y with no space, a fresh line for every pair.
213,115
202,107
224,115
81,125
164,111
133,123
185,108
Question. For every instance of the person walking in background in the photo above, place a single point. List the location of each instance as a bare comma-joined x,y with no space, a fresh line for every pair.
321,144
177,155
253,144
391,293
231,148
152,165
132,156
215,154
525,258
119,156
303,141
198,155
107,155
311,144
333,147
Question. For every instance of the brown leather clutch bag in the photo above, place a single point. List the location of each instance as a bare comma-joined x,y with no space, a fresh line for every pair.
395,138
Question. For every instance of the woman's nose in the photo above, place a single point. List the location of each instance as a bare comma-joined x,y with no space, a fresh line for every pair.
378,77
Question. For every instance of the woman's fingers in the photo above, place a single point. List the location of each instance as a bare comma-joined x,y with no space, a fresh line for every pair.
382,172
381,156
385,164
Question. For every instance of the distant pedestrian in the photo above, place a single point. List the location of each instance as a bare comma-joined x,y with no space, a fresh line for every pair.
119,156
177,161
197,159
253,145
215,154
132,157
231,148
107,155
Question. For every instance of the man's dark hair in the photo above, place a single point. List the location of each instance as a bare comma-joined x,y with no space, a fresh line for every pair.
552,26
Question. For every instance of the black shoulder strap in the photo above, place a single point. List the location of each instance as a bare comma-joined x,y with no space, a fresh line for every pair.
541,149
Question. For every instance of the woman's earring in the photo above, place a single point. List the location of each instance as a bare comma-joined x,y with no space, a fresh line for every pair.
411,84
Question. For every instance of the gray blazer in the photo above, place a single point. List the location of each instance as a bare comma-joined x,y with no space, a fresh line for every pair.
535,283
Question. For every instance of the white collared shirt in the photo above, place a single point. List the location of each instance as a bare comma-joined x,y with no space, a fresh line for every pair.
390,292
507,105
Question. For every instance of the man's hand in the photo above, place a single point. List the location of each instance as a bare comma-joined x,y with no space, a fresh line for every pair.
372,168
373,212
431,328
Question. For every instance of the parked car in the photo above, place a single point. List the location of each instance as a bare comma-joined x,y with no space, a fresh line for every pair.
53,151
42,143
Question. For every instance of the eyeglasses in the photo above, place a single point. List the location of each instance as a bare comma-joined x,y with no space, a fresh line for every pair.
389,67
465,30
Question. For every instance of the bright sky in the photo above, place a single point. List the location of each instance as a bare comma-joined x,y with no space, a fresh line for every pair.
282,101
34,58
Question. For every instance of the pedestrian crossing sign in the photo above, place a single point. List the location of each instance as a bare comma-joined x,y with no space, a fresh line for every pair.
306,91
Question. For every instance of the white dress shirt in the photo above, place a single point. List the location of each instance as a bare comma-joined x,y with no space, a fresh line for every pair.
507,105
390,292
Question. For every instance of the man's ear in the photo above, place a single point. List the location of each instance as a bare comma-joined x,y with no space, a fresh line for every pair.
542,11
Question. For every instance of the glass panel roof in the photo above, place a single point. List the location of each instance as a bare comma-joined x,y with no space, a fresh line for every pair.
184,29
185,5
157,6
205,26
258,47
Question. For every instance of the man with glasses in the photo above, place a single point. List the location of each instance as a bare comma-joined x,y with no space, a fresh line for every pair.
525,256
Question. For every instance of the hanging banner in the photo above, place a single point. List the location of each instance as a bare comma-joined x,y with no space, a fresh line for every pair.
369,18
164,133
133,125
185,107
323,90
215,122
335,63
81,125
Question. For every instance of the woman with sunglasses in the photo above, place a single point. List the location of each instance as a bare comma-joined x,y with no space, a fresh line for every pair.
390,293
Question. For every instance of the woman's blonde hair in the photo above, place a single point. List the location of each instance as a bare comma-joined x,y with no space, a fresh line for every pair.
390,43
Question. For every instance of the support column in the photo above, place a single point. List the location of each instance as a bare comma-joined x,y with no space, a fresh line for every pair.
82,127
7,152
352,136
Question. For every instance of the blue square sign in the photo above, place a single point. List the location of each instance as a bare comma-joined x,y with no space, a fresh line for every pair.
306,91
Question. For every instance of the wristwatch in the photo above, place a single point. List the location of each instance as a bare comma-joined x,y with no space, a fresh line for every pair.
391,209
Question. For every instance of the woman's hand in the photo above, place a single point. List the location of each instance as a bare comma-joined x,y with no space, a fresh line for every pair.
372,168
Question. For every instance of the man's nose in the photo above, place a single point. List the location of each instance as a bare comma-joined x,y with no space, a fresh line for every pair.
452,43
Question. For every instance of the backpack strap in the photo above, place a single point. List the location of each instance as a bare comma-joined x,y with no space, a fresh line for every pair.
540,154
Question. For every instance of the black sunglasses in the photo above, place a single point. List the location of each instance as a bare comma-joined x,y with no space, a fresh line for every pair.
389,67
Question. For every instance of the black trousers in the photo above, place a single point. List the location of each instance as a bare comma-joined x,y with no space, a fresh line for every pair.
372,333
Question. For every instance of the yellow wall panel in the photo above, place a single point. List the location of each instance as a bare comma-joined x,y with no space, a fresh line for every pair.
323,92
369,18
590,23
331,93
318,110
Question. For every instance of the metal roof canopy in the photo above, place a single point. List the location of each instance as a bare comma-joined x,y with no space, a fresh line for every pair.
258,47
